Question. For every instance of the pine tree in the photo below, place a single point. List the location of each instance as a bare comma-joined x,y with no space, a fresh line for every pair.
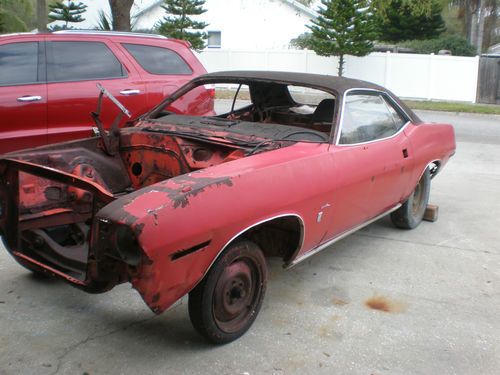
177,24
400,22
70,12
343,27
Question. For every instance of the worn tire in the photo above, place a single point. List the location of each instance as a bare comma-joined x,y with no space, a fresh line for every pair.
224,305
411,213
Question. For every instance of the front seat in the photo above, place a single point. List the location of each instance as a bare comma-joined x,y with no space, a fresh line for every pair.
324,111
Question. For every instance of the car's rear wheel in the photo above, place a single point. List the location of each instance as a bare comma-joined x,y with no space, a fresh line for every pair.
411,213
226,302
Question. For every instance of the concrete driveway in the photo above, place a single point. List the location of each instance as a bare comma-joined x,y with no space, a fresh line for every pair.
382,301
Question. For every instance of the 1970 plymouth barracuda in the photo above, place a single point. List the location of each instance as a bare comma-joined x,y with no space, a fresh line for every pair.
178,204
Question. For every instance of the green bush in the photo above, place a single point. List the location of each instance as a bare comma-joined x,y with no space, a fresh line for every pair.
11,23
457,45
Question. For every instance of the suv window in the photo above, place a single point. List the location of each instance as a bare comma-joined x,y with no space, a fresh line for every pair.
367,118
78,61
18,63
158,60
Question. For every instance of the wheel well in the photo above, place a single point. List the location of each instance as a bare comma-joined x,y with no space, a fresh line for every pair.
281,236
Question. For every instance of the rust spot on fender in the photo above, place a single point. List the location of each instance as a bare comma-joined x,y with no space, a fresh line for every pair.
180,198
385,304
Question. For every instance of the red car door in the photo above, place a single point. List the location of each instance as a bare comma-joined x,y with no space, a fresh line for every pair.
23,94
372,161
74,67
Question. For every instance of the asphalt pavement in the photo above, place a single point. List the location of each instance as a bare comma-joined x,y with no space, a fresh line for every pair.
381,301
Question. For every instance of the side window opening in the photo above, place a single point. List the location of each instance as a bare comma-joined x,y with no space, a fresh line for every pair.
368,117
19,63
158,60
80,61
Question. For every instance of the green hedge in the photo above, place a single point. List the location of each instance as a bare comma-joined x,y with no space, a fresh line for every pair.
457,45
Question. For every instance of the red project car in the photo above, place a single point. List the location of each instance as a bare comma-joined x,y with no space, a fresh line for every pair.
182,204
47,81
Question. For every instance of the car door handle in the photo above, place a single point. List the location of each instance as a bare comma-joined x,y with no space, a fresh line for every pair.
29,98
130,92
405,153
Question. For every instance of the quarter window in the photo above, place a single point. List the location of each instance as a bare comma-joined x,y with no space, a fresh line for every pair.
79,61
158,60
18,63
367,118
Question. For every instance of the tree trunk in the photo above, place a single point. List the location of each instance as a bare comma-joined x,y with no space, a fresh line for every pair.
341,65
120,12
41,15
480,31
473,24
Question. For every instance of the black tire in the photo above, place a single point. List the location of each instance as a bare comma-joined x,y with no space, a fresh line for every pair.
223,306
411,213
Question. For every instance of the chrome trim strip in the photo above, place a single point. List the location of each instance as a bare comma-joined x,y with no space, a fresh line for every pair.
338,238
385,95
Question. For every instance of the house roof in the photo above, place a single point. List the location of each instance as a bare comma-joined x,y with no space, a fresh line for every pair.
142,7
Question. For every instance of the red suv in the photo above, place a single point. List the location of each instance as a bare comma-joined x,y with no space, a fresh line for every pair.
48,81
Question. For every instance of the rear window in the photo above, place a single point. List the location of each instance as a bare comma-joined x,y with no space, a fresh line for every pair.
18,63
79,61
158,60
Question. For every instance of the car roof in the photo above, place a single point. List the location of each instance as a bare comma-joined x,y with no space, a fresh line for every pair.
99,33
336,84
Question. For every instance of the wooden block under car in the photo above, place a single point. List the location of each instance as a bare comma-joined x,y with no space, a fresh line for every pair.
431,212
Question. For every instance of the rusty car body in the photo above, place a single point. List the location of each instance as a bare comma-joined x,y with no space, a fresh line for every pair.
180,204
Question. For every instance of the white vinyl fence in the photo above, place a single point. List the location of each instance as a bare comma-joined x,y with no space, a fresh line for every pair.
429,77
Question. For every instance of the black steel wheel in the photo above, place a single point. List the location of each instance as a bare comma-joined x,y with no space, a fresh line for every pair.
226,302
411,213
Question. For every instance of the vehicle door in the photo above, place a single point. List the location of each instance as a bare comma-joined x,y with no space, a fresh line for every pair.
372,159
23,94
74,67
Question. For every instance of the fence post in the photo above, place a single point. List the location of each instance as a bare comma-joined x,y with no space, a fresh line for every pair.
388,61
306,62
477,71
431,78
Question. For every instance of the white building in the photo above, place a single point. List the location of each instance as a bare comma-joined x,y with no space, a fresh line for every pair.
232,24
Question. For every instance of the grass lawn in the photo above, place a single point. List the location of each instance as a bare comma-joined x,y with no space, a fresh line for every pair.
488,109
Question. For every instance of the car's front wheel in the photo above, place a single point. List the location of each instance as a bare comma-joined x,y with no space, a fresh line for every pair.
226,302
411,213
